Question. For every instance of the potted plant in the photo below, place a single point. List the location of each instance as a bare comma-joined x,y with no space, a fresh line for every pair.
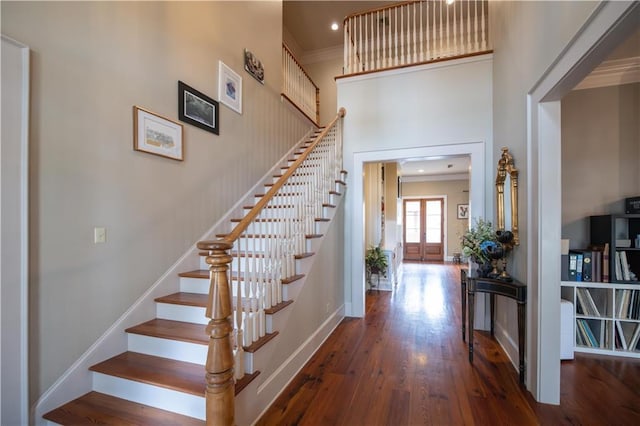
479,244
375,263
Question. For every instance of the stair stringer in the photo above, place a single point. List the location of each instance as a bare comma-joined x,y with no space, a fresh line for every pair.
77,379
308,322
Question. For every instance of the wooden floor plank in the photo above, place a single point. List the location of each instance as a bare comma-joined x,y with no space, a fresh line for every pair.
406,364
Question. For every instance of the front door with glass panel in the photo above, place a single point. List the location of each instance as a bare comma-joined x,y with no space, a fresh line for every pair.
423,229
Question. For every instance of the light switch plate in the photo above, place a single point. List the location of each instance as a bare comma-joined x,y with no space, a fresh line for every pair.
99,235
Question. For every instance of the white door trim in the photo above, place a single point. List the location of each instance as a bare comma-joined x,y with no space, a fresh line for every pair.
610,24
14,250
476,150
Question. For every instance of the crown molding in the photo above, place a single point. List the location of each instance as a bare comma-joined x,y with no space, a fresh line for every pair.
612,73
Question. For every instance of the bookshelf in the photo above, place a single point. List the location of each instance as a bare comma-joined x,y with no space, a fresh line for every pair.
621,232
606,317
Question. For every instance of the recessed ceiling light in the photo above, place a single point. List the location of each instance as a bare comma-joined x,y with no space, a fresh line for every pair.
334,26
420,170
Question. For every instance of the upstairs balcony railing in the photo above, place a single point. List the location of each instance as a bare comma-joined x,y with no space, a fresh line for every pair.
298,88
414,32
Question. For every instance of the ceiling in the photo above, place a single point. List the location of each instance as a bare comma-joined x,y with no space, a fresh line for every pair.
435,166
309,22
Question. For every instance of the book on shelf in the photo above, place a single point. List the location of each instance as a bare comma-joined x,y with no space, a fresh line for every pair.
625,266
589,306
573,263
618,266
633,343
605,264
620,335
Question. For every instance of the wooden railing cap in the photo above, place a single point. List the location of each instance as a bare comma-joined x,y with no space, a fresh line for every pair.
212,245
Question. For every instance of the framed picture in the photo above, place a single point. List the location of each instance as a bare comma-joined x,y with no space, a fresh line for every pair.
463,211
196,108
157,135
253,66
229,87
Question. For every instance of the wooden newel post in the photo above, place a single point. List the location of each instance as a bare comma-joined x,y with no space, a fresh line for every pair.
220,391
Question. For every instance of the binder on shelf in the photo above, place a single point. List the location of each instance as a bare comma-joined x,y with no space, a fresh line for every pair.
579,267
573,263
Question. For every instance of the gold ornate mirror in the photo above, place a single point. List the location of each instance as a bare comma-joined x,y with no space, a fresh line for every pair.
507,209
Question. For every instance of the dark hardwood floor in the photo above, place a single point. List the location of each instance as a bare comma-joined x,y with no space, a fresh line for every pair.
406,364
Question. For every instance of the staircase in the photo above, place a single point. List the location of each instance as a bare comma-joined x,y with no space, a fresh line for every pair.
160,379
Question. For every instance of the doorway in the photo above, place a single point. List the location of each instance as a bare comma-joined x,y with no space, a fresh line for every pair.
423,236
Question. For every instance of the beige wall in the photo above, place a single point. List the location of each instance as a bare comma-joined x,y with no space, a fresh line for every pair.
600,155
456,192
323,74
91,62
527,37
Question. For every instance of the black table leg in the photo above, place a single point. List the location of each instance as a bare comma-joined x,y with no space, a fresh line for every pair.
521,336
492,309
463,294
471,297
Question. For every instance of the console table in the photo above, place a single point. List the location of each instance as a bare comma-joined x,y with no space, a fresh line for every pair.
513,290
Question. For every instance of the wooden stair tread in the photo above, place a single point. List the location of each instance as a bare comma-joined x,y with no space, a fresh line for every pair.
304,255
164,372
204,274
341,182
173,330
200,300
102,409
335,193
185,299
260,342
277,219
277,308
267,236
198,273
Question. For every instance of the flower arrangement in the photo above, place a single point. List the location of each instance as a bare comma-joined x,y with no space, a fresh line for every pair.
479,242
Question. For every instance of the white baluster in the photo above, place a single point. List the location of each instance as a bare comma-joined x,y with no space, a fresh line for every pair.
484,31
455,29
421,33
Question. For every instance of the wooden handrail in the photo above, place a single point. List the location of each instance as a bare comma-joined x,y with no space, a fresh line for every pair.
219,366
299,64
379,9
255,211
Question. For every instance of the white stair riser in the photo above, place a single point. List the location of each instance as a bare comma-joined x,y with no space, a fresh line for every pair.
269,228
166,348
158,397
201,286
194,314
194,285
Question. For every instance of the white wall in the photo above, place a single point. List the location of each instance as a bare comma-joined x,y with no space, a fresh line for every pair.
91,62
14,248
600,155
439,105
529,65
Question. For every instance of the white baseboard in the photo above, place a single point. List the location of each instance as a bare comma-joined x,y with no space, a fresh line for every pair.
277,382
508,344
76,381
